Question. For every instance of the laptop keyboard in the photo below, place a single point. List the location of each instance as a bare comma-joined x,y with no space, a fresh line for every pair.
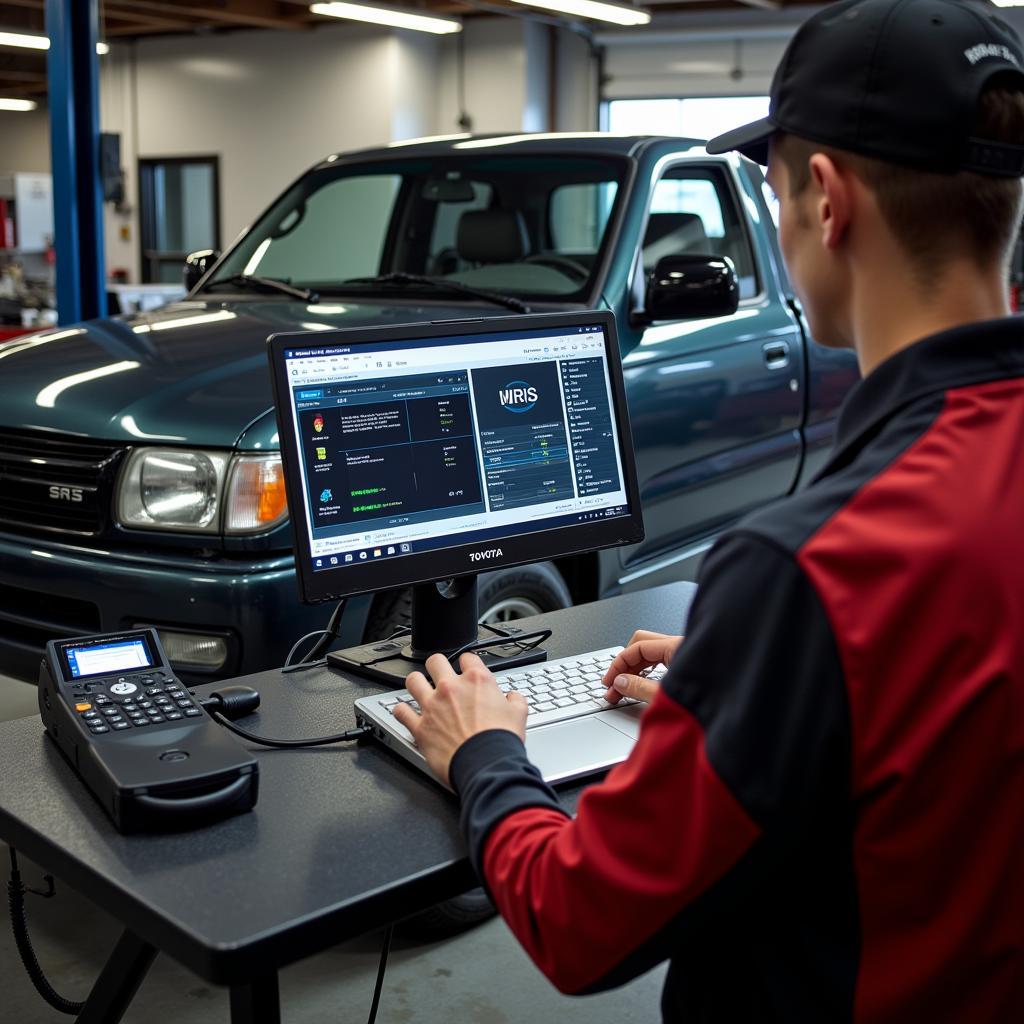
554,690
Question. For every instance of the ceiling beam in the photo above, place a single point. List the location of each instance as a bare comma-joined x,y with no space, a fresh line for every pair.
153,28
230,15
110,13
29,77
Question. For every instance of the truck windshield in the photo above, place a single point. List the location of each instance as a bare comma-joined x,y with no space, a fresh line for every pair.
532,227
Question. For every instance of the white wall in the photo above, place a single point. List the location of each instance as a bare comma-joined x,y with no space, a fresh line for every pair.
415,63
495,77
267,104
508,78
576,95
25,141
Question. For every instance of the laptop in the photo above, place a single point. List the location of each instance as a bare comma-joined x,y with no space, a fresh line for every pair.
571,731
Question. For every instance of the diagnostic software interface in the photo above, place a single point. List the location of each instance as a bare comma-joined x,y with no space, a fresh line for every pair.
103,659
407,446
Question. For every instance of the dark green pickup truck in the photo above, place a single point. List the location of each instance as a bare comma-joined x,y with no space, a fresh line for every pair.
139,476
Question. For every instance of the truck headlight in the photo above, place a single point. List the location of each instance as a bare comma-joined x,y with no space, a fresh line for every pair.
201,491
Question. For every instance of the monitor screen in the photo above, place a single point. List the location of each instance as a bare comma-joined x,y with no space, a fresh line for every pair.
439,450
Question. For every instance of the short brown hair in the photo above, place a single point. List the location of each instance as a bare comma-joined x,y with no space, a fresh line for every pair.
936,217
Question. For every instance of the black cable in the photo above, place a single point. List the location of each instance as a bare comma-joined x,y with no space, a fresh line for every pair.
536,638
381,967
19,923
319,649
267,741
314,656
238,701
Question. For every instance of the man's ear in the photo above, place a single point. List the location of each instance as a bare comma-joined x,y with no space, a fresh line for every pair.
834,200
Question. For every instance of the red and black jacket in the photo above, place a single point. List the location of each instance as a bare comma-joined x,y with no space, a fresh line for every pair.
823,817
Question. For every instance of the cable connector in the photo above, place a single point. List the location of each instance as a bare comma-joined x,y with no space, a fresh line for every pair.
232,701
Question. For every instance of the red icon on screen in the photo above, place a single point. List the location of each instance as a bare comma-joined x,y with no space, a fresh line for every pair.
318,423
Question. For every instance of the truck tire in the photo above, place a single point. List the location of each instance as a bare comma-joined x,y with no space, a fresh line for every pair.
505,594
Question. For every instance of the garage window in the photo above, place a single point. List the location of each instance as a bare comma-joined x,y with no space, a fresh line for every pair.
179,213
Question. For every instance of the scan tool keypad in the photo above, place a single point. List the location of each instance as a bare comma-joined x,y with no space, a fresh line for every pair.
133,701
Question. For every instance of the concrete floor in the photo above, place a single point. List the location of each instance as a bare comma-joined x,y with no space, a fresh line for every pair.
480,977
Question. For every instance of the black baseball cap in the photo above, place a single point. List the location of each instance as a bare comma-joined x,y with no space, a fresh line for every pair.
894,79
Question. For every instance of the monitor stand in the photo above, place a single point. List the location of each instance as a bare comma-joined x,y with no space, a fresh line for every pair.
444,619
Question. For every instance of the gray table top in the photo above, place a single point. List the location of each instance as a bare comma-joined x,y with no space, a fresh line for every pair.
343,839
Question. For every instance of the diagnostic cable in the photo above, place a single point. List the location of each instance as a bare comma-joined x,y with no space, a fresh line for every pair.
16,891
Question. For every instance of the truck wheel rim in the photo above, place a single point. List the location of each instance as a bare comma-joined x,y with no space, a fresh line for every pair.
510,608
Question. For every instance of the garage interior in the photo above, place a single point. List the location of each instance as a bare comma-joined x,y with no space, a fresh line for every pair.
211,108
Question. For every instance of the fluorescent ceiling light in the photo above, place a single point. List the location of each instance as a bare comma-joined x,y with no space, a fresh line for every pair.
30,42
1008,3
12,104
26,41
387,16
615,13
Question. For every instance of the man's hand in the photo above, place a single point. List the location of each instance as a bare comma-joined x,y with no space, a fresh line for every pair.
644,651
457,707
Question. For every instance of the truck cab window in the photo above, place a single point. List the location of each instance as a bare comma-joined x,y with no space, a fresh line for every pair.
339,232
693,213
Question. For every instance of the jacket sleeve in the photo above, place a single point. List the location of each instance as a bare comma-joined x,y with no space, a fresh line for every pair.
750,726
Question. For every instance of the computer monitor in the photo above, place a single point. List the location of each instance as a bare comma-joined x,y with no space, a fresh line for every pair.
431,452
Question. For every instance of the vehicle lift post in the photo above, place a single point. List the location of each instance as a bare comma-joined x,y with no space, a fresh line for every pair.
73,71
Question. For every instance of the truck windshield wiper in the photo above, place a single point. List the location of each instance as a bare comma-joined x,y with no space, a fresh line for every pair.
267,283
401,278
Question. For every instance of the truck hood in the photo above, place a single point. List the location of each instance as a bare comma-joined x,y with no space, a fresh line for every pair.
192,373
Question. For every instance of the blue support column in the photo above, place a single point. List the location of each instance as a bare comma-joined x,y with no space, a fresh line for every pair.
73,70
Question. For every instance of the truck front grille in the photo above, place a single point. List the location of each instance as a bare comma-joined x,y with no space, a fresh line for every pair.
28,619
55,483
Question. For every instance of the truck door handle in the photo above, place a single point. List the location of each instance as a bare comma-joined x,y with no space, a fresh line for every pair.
776,354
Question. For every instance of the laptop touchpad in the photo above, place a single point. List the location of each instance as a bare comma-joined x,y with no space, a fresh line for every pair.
625,719
569,750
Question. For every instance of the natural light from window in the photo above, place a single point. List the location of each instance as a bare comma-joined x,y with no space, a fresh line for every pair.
698,117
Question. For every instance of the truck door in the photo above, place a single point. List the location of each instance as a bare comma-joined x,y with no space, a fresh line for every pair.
715,404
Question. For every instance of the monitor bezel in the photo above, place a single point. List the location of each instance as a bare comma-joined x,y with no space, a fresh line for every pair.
452,562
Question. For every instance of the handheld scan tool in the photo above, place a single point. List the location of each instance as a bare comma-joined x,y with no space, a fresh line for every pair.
137,737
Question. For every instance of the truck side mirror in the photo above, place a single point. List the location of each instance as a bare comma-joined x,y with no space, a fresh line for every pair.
196,265
690,286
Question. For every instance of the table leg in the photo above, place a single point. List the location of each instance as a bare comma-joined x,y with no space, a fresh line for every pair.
118,982
258,1002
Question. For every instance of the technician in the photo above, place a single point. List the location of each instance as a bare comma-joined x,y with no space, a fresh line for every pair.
823,818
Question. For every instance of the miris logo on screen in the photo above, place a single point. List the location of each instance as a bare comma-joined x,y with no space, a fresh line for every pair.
518,396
